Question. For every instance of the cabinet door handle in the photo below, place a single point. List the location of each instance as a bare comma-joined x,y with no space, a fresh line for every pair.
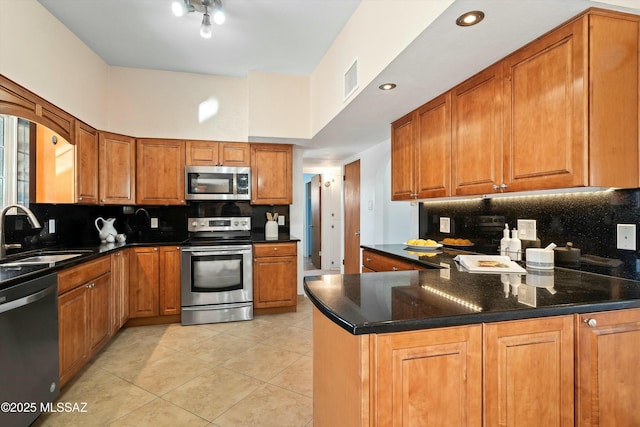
155,249
357,233
592,323
500,187
368,259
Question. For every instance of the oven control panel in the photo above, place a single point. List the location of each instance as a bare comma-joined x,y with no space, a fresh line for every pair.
239,223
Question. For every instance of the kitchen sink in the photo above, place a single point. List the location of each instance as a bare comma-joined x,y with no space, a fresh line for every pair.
48,259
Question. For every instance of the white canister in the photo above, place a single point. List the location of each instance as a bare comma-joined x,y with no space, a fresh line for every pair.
541,259
271,230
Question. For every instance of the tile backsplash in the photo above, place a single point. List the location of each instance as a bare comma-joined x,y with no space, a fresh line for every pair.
587,219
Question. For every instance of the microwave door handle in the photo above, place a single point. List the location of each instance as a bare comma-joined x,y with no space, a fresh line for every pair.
235,184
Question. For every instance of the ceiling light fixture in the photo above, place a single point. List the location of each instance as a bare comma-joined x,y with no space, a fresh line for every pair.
387,86
470,18
183,7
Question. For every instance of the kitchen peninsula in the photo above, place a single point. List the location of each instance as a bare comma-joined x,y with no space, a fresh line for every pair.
447,347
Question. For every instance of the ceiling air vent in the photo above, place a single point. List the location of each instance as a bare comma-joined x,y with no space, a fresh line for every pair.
351,80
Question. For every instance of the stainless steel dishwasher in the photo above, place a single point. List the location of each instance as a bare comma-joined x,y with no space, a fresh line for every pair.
29,372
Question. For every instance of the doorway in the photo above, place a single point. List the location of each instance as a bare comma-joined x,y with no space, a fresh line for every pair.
313,223
316,221
352,218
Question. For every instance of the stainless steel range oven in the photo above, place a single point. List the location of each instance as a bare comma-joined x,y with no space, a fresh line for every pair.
216,271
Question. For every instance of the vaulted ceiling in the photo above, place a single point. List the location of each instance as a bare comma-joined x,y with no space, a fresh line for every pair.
292,36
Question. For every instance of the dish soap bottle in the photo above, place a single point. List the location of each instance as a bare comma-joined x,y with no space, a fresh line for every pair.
504,242
515,246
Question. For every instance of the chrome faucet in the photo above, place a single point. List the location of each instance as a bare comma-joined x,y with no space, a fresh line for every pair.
30,216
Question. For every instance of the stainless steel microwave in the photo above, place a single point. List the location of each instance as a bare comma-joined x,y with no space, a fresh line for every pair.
217,183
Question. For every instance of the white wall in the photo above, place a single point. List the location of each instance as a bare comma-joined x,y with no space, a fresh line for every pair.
332,219
148,103
381,220
376,33
38,52
296,210
279,105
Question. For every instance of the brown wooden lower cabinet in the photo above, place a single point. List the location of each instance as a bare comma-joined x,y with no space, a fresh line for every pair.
607,374
169,280
84,314
73,332
373,261
120,288
275,277
429,378
511,373
144,279
528,372
154,282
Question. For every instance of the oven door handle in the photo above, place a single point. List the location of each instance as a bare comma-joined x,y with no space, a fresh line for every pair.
214,253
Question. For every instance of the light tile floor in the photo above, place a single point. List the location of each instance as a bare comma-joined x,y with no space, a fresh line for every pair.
256,373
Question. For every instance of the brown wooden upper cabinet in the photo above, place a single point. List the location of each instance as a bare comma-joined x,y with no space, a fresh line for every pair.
403,155
160,172
421,152
271,174
208,153
86,188
476,136
560,112
117,169
571,106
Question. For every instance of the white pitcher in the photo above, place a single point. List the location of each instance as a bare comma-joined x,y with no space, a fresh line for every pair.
107,228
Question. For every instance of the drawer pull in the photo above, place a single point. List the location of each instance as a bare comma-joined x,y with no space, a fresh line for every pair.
275,249
395,268
592,323
368,259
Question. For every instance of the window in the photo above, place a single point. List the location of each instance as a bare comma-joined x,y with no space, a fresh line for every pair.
14,160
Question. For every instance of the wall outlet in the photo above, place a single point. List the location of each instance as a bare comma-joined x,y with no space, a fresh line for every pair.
154,222
445,225
626,238
280,219
52,226
527,229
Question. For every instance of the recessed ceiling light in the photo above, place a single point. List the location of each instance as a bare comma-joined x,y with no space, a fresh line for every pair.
387,86
470,18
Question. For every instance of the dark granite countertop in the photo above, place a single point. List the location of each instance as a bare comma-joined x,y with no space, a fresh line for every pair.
259,237
409,300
